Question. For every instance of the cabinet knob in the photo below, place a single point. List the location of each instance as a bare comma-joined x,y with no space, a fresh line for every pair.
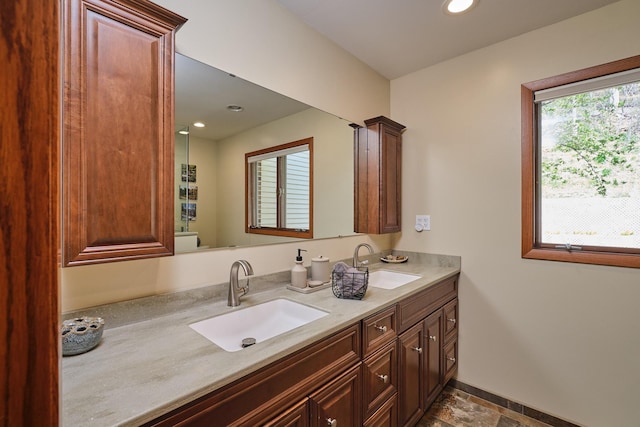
383,378
332,422
418,349
433,338
452,321
382,329
452,359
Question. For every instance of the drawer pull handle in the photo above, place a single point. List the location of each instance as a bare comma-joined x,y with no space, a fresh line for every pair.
382,329
452,359
433,338
418,349
332,422
383,378
452,321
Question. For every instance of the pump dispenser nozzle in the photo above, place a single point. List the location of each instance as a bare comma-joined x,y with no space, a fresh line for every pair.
299,257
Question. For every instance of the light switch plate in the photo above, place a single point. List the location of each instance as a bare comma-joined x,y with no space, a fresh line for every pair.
423,222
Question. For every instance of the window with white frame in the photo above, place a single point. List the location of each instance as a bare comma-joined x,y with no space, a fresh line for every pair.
581,166
280,190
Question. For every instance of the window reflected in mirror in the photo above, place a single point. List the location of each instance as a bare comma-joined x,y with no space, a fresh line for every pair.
279,195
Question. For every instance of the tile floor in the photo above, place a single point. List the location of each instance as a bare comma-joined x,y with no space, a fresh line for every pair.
455,408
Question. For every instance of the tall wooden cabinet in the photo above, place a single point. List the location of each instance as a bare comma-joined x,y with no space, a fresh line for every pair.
117,172
377,183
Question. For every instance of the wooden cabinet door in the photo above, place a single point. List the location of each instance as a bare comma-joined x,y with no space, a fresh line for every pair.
378,170
339,402
297,416
117,170
432,357
410,377
390,179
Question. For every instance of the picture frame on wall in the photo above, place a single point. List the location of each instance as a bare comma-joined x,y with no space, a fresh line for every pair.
188,212
188,173
190,193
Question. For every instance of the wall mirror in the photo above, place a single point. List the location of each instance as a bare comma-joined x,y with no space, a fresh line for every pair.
240,117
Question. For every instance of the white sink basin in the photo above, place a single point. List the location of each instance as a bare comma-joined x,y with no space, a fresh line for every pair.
261,322
386,279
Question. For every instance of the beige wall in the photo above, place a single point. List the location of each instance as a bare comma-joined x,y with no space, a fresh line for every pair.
264,43
260,41
203,154
332,174
559,337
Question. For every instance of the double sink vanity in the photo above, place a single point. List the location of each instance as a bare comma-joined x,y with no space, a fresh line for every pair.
317,360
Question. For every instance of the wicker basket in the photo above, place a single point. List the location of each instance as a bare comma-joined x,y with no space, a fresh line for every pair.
350,285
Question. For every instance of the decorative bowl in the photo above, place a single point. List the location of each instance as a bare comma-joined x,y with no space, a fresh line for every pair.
81,334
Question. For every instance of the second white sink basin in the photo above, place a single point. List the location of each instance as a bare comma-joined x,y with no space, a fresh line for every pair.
261,322
386,279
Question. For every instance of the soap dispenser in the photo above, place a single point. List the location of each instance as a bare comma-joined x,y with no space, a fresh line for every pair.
298,272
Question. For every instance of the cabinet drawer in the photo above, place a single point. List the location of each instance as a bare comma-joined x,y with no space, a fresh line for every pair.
377,330
451,320
450,360
415,308
386,416
380,378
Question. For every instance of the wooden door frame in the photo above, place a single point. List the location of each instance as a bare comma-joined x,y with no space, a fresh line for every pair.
29,213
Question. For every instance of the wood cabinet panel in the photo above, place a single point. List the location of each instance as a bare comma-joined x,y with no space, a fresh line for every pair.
386,416
264,394
416,308
450,360
451,320
29,235
378,172
377,330
410,377
380,377
338,403
118,130
432,357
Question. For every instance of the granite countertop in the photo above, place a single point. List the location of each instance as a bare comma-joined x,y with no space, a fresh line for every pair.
148,367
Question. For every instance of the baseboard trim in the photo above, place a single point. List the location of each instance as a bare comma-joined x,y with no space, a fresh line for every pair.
511,405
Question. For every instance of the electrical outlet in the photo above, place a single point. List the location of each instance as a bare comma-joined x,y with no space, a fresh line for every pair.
423,222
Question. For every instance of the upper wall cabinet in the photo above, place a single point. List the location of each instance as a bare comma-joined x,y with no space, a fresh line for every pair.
117,172
378,167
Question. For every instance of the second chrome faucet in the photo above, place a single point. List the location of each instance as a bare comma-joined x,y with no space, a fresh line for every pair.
235,292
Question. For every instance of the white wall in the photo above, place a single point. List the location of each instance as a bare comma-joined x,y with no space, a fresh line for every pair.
562,338
259,41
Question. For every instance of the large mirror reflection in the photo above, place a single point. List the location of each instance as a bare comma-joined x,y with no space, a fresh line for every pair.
220,118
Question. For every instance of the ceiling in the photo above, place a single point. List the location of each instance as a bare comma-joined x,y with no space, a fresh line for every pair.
397,37
202,93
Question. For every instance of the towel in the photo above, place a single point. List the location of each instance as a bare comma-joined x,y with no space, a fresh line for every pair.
349,279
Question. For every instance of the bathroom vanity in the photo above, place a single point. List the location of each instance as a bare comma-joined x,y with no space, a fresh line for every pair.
377,361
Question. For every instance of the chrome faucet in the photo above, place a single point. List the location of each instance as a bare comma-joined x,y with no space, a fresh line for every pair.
356,261
236,292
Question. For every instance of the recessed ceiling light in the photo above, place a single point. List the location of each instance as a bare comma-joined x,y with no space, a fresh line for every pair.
235,108
183,132
455,7
199,124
